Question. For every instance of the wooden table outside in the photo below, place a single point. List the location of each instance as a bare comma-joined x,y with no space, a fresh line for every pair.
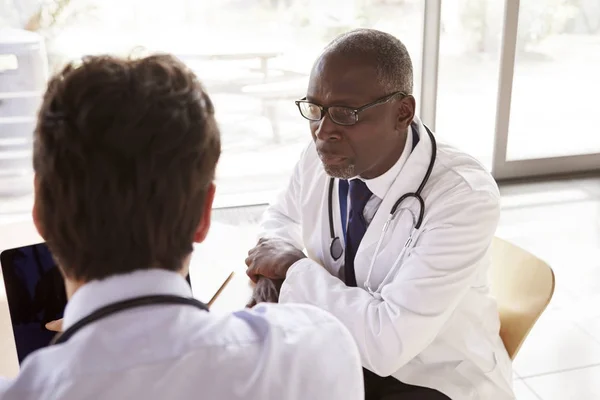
262,56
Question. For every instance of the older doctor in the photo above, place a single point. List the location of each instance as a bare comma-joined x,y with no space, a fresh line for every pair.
416,298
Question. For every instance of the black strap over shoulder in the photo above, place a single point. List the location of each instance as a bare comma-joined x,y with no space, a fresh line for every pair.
119,306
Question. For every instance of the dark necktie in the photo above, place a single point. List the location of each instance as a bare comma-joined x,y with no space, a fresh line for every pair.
357,226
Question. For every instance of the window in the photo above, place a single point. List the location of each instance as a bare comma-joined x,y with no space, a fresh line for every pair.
470,39
254,57
556,82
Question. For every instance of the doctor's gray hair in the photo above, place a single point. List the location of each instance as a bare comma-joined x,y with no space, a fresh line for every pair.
394,66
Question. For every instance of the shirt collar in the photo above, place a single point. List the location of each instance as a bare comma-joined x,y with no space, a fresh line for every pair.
99,293
381,184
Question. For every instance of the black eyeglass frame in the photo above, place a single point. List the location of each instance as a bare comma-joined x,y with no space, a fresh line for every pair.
355,111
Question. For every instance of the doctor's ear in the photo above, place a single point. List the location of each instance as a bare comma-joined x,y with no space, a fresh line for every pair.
406,107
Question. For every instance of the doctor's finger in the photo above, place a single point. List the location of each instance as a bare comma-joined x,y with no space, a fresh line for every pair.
253,250
253,257
257,267
251,272
251,262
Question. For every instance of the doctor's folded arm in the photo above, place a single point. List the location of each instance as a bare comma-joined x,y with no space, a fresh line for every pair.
389,231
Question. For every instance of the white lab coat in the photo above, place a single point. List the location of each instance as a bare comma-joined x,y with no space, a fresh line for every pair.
436,324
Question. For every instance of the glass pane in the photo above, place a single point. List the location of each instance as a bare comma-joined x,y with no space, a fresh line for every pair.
262,129
554,109
254,56
470,43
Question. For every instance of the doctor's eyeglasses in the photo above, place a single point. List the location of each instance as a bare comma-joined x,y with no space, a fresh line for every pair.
340,115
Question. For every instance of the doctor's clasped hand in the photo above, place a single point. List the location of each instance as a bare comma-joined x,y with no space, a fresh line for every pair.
272,258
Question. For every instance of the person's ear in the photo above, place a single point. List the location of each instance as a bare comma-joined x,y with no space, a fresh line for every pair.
204,225
406,112
35,210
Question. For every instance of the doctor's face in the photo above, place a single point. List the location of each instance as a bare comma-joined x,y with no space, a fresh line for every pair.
373,144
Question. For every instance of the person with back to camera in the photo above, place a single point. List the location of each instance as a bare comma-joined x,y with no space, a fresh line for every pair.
124,156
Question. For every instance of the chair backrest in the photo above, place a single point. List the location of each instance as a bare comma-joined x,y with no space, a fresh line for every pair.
523,286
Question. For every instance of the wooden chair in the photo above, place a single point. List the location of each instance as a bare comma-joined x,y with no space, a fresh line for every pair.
523,286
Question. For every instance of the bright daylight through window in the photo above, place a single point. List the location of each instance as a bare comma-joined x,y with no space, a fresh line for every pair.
254,56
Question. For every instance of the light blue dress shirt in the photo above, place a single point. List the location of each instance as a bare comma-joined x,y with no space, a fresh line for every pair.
180,352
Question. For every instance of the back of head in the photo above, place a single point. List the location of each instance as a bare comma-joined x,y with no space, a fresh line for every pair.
386,52
125,155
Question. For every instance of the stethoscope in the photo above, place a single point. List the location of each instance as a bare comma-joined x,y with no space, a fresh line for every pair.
124,305
336,249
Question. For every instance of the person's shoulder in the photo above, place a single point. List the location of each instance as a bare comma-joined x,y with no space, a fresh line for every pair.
5,386
292,317
314,347
302,325
252,326
459,172
39,375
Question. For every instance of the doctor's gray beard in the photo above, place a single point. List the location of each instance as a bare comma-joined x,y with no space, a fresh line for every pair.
342,172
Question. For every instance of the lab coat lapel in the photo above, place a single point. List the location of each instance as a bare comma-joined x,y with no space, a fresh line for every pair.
408,180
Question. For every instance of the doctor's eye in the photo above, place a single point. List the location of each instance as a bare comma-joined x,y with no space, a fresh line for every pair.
311,111
343,115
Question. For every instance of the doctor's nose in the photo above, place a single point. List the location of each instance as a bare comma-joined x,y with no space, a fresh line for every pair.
326,129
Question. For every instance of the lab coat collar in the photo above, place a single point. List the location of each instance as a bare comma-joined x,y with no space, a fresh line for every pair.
99,293
380,185
407,180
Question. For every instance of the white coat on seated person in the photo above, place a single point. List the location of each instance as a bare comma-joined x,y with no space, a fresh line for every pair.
435,324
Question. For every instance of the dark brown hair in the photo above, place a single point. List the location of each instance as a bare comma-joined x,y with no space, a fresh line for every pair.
125,152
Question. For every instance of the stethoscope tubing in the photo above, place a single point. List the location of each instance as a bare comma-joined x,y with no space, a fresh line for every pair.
336,249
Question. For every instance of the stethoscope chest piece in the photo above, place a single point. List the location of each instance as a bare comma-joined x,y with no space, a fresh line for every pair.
336,249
